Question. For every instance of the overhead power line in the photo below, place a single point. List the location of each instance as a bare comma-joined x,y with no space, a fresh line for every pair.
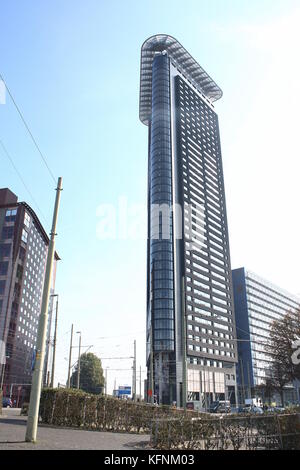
21,178
28,129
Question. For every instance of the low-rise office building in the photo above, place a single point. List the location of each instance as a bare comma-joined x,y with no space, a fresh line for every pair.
257,304
23,254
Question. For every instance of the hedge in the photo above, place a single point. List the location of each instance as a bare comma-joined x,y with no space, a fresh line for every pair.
170,428
69,407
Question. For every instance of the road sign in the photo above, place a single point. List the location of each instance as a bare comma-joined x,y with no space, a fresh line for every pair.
125,391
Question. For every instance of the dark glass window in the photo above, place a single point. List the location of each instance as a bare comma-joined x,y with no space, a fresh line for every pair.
10,215
5,250
2,287
22,253
19,272
3,268
7,233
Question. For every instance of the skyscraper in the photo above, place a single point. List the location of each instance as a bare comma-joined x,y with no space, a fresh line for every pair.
191,336
23,253
257,304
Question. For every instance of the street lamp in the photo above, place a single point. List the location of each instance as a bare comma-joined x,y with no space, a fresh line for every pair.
106,380
78,369
54,342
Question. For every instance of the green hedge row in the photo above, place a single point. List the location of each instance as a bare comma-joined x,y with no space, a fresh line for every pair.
68,407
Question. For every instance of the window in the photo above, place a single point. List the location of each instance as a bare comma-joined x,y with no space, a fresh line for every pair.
27,220
7,233
5,250
24,236
3,268
10,215
2,287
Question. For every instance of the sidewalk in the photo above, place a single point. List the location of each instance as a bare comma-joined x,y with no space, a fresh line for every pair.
13,427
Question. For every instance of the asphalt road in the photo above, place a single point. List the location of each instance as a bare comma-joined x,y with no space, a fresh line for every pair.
13,427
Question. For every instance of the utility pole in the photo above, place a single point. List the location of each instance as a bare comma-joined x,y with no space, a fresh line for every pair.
78,367
34,404
134,372
106,381
54,343
249,380
243,381
70,359
151,342
184,384
140,383
151,366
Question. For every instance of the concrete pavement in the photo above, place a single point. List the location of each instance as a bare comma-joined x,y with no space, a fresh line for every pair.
12,435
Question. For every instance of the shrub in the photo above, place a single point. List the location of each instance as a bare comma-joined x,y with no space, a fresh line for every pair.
70,407
24,409
170,428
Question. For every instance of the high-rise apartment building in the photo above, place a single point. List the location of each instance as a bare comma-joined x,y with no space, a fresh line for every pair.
191,336
23,253
257,304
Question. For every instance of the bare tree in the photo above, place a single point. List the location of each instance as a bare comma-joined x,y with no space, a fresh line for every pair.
283,370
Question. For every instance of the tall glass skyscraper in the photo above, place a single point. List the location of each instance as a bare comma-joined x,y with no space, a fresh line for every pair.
191,336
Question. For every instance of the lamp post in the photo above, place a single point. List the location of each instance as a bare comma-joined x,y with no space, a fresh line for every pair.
78,368
70,359
106,380
37,376
54,342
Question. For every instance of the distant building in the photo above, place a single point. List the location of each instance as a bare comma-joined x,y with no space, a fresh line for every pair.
190,314
257,304
23,254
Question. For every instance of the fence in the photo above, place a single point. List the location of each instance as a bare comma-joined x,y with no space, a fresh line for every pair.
252,432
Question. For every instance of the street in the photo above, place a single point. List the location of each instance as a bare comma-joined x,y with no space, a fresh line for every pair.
12,437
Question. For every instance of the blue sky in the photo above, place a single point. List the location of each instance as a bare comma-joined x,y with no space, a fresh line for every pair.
73,67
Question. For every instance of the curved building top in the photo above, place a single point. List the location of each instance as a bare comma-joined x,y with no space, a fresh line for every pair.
184,62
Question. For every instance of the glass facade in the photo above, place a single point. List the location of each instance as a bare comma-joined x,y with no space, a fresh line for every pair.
209,305
257,304
161,248
190,315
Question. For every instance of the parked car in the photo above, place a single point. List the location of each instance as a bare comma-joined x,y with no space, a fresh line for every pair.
240,409
221,406
7,403
257,410
275,409
252,409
